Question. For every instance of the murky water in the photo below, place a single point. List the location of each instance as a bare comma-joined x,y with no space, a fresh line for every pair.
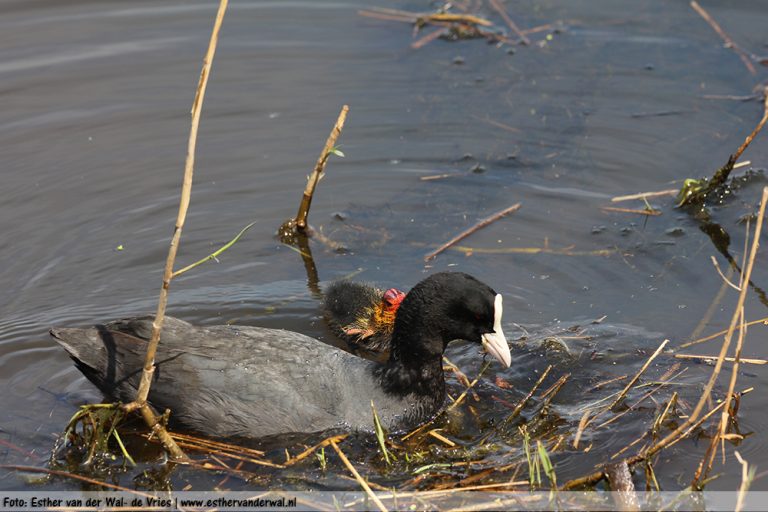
93,135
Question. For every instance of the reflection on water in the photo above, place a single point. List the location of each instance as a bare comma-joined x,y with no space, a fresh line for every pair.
94,127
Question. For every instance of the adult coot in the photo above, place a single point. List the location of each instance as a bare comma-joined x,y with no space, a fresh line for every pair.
361,314
249,381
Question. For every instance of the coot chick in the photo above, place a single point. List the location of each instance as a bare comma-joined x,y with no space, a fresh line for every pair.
226,381
361,314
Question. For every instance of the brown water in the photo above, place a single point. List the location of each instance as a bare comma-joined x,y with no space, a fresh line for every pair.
95,115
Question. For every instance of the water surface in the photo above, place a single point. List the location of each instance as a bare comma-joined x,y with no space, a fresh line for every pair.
95,119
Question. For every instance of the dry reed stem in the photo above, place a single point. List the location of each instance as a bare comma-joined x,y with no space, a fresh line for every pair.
158,429
645,195
428,38
512,25
647,452
210,443
653,449
726,281
309,451
314,178
638,402
441,438
565,251
728,359
726,39
498,124
242,458
606,382
630,445
704,320
550,394
651,213
712,452
357,476
757,129
454,490
663,416
415,17
432,177
637,376
745,481
483,223
186,190
580,430
763,321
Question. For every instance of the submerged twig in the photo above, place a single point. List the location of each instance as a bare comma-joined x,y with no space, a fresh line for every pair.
483,223
512,25
357,476
74,476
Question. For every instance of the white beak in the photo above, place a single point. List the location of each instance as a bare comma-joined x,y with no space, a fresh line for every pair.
494,342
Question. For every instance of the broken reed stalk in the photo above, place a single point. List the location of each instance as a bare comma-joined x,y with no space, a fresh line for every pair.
357,476
464,234
317,172
149,363
726,39
722,174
